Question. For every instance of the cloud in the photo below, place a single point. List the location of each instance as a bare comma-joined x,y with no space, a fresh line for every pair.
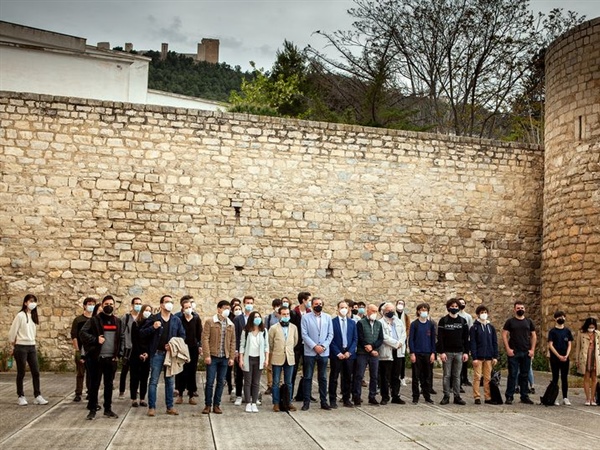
172,33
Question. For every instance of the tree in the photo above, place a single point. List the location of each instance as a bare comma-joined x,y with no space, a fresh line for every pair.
465,59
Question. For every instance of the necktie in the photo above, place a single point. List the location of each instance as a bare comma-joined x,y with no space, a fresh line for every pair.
344,337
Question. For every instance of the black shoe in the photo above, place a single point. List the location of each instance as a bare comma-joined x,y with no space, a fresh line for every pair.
517,390
509,400
445,400
110,414
398,401
269,391
77,398
312,399
383,402
348,404
428,400
462,391
357,401
373,402
490,402
333,405
91,415
532,390
467,383
459,401
415,400
326,407
478,402
527,401
432,391
98,408
305,407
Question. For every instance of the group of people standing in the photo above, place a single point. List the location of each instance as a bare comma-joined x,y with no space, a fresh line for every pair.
237,343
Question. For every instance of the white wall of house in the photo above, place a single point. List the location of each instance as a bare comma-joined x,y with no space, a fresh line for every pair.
93,74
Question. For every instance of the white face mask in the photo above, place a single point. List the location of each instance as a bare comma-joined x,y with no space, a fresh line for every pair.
424,314
483,316
90,308
169,306
344,312
237,312
400,307
32,306
188,311
591,330
146,314
225,313
373,317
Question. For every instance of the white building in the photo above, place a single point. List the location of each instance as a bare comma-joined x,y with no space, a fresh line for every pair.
44,62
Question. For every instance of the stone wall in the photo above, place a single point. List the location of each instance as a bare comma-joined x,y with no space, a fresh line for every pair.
101,197
571,252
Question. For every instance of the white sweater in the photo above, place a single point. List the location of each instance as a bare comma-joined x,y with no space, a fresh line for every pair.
22,330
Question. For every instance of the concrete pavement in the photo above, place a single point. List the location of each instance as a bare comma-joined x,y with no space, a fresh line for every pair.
61,424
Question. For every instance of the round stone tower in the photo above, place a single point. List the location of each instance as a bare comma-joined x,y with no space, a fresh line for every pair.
571,248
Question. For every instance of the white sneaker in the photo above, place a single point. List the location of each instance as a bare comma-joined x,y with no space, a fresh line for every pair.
254,408
403,382
248,407
39,400
566,402
22,401
258,402
556,403
238,401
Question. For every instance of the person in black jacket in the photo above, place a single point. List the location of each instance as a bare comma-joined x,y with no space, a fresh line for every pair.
484,351
101,339
453,348
140,359
370,338
193,337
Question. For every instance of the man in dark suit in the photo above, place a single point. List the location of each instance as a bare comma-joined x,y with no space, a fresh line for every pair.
342,355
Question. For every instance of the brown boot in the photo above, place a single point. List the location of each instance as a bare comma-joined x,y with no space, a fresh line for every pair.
179,400
206,410
151,412
276,408
292,408
193,401
217,409
172,412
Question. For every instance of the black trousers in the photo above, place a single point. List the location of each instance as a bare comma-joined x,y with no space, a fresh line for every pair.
186,379
561,368
101,368
343,368
421,370
123,378
389,372
139,375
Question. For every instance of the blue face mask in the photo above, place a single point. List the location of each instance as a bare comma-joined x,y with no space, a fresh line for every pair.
257,321
249,307
137,308
285,319
361,310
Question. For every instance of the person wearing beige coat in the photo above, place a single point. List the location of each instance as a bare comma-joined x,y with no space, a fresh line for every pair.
283,337
588,358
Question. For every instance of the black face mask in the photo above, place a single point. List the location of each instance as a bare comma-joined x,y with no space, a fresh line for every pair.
284,324
390,314
318,308
560,321
355,311
461,306
520,312
453,310
108,310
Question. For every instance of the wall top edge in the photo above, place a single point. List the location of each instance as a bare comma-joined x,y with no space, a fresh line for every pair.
27,96
563,40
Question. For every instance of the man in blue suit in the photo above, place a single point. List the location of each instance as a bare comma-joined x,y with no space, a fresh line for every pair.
342,355
317,333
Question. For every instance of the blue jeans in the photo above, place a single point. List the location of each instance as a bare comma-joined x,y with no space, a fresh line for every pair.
216,369
309,368
452,369
287,379
518,367
156,368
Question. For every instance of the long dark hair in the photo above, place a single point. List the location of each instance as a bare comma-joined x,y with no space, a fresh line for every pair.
25,309
589,321
250,324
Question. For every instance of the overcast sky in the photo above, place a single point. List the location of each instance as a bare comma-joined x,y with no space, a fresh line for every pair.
248,29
